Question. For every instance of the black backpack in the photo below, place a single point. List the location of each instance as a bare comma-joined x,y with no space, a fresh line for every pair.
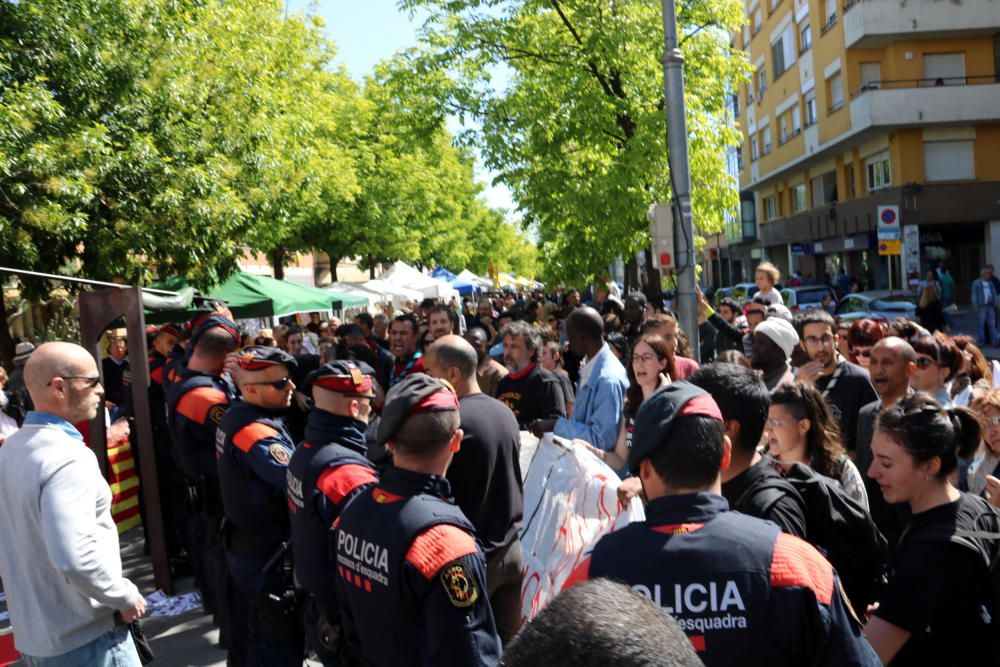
983,542
836,524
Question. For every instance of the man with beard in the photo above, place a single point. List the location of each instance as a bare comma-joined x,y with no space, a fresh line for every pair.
403,336
529,390
773,342
440,321
845,386
634,315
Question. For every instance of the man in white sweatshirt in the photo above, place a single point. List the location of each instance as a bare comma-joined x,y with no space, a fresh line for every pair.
59,552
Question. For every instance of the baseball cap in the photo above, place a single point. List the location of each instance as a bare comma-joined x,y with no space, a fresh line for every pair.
658,414
415,394
351,378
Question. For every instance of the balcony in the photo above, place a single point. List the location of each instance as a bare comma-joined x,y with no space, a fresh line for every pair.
870,24
920,102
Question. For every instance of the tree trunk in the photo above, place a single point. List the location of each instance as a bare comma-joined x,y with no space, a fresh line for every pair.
631,274
334,261
371,267
278,262
6,341
654,291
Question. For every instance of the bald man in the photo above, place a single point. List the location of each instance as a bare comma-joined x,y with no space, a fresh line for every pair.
893,361
485,476
600,396
59,551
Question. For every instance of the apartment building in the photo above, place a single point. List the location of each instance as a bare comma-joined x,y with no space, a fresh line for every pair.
856,104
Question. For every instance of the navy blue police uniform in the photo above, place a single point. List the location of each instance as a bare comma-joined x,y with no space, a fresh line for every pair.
744,592
410,572
254,448
327,469
195,403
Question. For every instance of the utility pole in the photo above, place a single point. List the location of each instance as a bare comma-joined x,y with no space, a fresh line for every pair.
680,178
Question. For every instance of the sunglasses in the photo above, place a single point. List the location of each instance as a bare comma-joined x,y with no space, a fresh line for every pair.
924,362
90,382
862,352
276,384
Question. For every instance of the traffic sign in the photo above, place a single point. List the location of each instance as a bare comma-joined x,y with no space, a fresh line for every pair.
889,247
888,223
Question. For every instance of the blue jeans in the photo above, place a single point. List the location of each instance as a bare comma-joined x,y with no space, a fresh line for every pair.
112,649
988,318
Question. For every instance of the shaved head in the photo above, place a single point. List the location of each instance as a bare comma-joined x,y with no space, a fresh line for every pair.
455,351
898,346
58,377
587,322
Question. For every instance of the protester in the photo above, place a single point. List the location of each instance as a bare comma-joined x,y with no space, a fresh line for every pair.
938,607
861,337
489,372
986,462
666,326
597,412
974,367
253,450
403,338
766,276
728,335
113,370
440,321
773,342
551,360
845,386
59,553
326,470
485,477
293,340
418,596
937,362
984,300
601,622
529,390
634,315
801,429
782,599
651,368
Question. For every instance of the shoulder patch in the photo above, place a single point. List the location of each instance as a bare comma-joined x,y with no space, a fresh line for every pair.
459,585
439,546
279,453
217,412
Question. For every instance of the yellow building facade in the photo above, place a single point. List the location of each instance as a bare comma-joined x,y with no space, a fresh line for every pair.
857,104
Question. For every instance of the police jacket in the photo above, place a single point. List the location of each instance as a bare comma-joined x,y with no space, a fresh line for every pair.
326,470
744,592
254,449
411,577
196,403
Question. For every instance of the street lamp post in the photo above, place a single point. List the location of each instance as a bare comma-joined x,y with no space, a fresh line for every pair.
680,177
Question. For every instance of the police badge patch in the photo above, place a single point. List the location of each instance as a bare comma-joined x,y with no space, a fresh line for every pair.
216,412
460,585
279,454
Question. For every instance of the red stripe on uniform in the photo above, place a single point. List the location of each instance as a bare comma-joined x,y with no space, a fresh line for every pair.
698,642
251,434
437,546
196,403
677,528
796,563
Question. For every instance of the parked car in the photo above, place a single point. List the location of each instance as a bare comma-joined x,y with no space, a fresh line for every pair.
806,297
876,305
742,292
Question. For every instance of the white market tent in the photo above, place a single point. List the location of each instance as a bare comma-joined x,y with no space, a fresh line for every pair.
404,275
391,292
357,290
469,276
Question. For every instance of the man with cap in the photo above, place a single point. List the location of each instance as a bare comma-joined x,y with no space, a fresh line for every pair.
325,471
410,574
253,448
196,400
743,591
774,340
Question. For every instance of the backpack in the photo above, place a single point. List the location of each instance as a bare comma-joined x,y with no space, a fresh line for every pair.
836,524
984,543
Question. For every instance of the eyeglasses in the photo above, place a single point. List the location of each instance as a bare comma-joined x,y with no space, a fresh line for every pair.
825,339
644,358
924,362
91,382
276,384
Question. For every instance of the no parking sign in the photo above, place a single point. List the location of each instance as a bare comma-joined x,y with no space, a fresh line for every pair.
888,223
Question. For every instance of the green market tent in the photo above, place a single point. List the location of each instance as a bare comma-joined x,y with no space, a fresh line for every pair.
250,296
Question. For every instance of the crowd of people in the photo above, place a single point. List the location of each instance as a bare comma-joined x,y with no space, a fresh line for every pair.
815,493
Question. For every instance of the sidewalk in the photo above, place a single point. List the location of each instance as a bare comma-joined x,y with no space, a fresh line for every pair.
966,321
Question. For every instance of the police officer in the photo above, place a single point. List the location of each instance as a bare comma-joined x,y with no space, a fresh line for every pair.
196,401
254,448
410,574
326,470
744,592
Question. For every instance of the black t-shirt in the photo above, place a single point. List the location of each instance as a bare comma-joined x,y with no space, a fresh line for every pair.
937,591
536,394
852,391
566,384
485,474
114,374
788,512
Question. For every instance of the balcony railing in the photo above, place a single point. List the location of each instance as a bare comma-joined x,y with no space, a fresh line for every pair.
892,84
830,22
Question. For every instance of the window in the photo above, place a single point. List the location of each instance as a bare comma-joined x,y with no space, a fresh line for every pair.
811,116
824,189
758,21
748,214
783,52
761,82
765,137
805,37
739,158
754,153
774,5
736,105
770,208
746,37
877,168
783,128
871,76
830,15
835,92
796,120
949,160
798,197
944,69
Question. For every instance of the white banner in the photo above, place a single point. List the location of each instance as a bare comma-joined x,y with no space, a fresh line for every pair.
570,500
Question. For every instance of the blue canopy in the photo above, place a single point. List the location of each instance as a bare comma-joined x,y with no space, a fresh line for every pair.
462,286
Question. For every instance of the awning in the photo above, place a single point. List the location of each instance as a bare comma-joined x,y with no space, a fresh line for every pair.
463,286
250,296
405,275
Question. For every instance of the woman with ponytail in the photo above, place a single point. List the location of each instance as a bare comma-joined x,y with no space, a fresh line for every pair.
937,608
